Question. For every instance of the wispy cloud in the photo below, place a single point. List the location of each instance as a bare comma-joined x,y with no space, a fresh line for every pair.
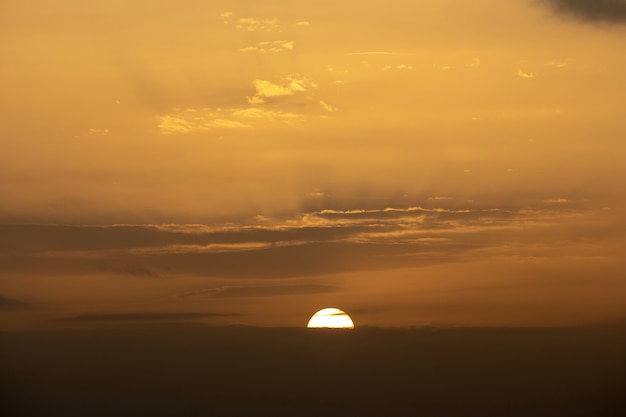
375,53
329,108
266,47
98,132
260,24
132,269
474,63
130,317
266,88
197,120
294,84
400,67
520,73
193,120
205,119
556,200
253,24
558,64
259,291
290,85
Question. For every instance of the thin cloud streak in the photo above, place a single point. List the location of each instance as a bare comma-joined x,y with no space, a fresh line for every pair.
259,291
144,316
375,53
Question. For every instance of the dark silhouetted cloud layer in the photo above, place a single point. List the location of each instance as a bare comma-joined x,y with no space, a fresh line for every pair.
610,11
145,316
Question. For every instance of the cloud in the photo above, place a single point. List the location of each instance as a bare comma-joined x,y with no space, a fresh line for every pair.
474,64
254,100
205,119
145,316
270,47
258,113
197,120
607,11
327,107
336,239
400,67
266,88
260,291
134,270
558,64
556,200
257,24
523,74
192,120
252,24
291,85
98,132
11,304
374,53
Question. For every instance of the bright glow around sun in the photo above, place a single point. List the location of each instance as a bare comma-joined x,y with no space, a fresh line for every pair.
331,318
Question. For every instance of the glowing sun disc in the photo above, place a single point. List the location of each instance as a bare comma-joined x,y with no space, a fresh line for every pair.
330,318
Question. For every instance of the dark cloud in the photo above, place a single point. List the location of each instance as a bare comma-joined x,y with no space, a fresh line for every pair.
608,11
307,244
10,304
260,291
309,259
21,238
145,316
131,269
281,261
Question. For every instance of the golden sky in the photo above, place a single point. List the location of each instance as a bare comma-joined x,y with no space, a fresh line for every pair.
443,162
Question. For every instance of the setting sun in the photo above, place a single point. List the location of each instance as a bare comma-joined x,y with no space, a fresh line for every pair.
330,318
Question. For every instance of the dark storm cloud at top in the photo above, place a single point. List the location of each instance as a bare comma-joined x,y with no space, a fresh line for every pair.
608,11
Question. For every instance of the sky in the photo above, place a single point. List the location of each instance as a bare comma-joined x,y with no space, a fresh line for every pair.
414,163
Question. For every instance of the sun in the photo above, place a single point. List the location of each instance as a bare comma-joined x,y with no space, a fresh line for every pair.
330,318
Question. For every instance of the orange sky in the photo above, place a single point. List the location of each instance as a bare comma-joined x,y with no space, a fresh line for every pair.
437,162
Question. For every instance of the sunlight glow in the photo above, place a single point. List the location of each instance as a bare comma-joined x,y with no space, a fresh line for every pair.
331,318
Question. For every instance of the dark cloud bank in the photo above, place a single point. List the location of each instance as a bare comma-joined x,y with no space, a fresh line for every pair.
328,241
245,371
11,304
259,291
131,317
609,11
